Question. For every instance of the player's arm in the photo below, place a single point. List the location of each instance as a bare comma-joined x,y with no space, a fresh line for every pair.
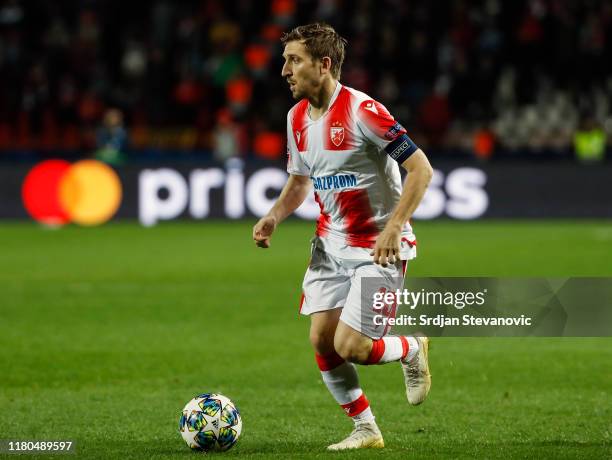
292,196
387,246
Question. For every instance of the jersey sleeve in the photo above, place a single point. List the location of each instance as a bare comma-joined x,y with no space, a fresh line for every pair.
380,128
295,164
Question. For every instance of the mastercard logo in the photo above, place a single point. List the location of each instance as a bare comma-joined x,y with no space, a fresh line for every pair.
56,192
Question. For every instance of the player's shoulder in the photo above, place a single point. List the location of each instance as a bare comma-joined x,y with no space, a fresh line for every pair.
298,109
364,103
358,96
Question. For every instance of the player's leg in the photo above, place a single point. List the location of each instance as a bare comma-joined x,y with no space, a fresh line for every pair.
361,333
323,326
326,286
411,351
356,347
339,376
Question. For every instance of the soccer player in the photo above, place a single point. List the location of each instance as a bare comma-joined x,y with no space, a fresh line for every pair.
348,147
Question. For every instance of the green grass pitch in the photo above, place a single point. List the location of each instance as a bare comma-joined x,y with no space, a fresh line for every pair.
105,333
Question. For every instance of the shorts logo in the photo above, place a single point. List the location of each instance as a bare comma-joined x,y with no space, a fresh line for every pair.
336,132
298,135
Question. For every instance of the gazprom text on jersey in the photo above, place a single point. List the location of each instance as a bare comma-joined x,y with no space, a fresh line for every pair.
332,182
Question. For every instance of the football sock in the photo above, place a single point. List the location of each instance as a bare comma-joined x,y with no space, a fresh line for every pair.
342,381
393,348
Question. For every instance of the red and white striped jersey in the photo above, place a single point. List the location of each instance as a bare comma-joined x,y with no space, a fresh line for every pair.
349,155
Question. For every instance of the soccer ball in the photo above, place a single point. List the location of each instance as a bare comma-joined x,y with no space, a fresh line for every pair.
210,422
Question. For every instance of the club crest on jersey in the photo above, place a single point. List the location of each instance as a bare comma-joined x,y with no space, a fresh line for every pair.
336,132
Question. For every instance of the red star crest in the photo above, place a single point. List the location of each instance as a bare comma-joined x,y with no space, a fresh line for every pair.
336,132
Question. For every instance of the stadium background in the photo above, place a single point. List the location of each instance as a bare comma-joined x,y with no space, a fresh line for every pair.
107,331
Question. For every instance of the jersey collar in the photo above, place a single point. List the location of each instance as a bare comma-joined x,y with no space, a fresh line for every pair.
334,95
331,102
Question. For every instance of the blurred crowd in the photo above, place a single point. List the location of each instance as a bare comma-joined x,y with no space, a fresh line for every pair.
488,77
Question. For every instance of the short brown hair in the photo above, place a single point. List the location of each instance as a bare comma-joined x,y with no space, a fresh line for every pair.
320,40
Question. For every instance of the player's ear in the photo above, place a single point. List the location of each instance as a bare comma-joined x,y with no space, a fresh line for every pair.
325,65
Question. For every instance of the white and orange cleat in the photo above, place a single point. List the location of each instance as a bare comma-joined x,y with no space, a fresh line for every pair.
365,435
416,373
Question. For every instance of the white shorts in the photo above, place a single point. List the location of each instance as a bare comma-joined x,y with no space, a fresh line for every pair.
331,282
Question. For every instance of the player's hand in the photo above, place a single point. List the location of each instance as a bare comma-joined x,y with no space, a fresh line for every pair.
387,248
262,231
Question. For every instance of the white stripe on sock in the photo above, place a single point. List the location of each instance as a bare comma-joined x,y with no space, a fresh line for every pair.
393,349
365,416
343,383
413,347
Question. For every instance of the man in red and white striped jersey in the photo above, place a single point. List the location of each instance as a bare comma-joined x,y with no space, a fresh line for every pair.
347,147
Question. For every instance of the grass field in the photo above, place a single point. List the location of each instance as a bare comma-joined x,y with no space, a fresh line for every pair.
105,333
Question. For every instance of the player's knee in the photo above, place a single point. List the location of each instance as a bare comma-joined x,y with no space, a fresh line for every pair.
345,352
322,343
352,350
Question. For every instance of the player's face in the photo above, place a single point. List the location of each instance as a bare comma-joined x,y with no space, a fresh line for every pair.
303,74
